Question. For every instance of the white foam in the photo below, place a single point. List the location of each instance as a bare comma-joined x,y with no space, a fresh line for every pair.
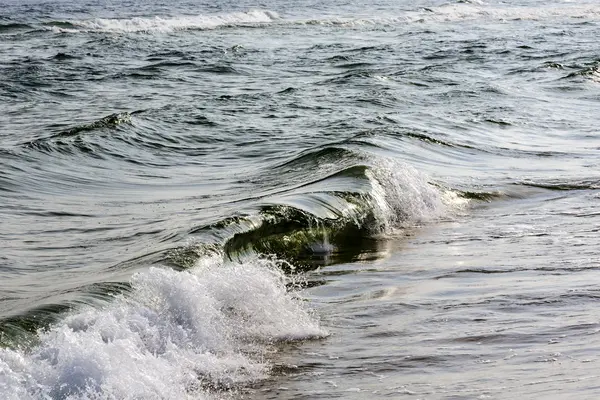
356,22
472,11
161,24
177,335
465,10
402,196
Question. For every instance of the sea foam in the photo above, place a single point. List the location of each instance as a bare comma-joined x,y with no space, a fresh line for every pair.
170,24
177,335
402,196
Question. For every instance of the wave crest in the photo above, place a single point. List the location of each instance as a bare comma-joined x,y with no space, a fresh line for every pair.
164,24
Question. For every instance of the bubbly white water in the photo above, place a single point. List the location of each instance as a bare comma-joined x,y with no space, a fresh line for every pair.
178,334
402,196
455,12
164,24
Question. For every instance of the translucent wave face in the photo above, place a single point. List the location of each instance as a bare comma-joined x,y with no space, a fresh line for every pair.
178,333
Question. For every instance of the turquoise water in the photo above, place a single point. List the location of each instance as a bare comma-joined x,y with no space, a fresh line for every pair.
318,200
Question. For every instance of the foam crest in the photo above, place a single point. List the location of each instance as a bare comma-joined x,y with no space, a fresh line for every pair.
402,196
358,22
470,10
178,335
160,24
463,10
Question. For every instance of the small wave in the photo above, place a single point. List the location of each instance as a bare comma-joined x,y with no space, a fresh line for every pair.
64,57
591,184
430,139
591,72
60,24
109,122
482,195
317,158
113,136
164,24
177,334
9,27
159,66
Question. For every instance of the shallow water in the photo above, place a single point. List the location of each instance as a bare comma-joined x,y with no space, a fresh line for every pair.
466,309
308,201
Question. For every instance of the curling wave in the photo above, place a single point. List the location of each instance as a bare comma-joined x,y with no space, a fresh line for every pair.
338,217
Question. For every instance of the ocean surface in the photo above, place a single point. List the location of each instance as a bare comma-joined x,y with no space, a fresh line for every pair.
299,200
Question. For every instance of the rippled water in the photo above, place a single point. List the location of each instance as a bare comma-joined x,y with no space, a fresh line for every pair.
318,200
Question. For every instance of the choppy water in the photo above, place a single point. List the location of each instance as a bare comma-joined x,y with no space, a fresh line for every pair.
317,200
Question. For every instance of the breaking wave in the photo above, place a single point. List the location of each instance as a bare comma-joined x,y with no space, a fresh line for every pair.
336,217
177,334
168,24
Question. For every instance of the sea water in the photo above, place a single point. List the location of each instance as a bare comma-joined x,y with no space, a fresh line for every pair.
313,200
